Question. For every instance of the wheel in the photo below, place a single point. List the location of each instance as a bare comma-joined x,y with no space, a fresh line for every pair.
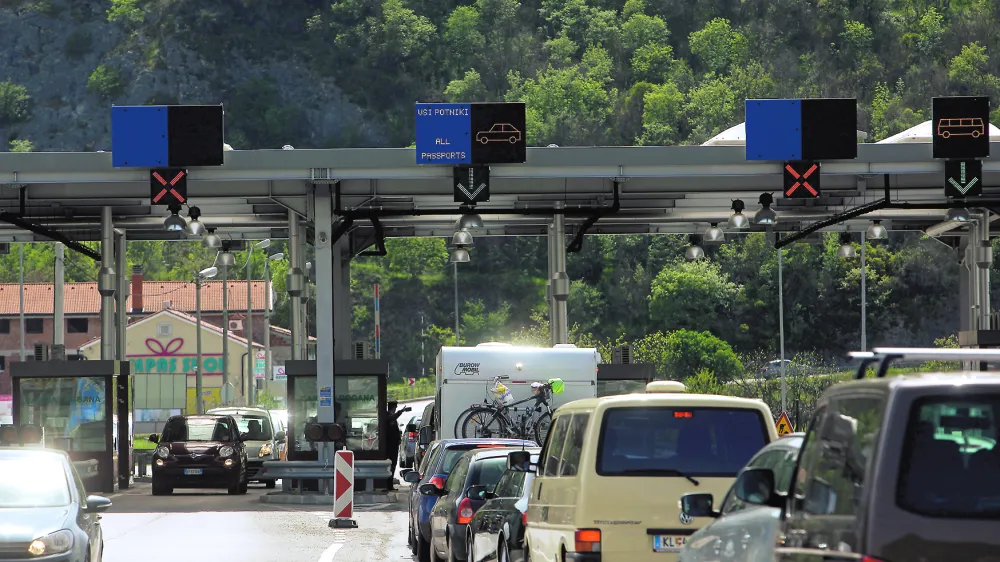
945,134
542,427
270,484
243,487
460,421
484,140
423,549
161,490
513,140
483,423
411,541
975,134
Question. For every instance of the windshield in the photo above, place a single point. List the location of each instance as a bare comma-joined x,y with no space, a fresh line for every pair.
951,463
257,428
452,454
665,441
185,429
33,482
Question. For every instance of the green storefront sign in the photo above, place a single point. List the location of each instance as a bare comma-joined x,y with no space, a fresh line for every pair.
175,365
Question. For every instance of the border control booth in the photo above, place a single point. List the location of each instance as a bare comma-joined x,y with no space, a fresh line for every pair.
83,408
360,388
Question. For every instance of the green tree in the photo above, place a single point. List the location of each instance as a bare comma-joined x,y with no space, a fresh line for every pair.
688,352
692,295
15,103
21,145
717,46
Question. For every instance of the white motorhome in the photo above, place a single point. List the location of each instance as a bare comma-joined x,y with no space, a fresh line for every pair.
464,375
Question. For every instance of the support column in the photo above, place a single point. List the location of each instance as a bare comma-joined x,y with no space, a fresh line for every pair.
228,392
560,280
106,285
965,274
59,319
551,274
307,293
324,262
984,260
294,282
342,298
121,297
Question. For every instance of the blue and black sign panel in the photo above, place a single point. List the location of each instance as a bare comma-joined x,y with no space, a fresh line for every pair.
161,136
458,134
802,129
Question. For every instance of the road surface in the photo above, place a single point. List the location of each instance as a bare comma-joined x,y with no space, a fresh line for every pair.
201,525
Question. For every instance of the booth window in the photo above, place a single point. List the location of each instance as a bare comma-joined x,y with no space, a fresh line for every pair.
4,325
306,407
356,408
33,325
77,325
71,411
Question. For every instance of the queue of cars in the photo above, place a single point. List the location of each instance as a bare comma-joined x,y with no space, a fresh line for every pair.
887,470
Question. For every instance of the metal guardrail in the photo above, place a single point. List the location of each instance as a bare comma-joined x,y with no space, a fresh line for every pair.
87,469
287,471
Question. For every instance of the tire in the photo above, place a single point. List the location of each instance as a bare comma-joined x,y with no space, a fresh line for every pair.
542,426
975,134
484,140
243,487
270,484
411,541
945,134
513,140
460,421
469,429
423,549
162,490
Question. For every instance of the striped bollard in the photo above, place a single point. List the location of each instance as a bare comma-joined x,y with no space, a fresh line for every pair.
343,490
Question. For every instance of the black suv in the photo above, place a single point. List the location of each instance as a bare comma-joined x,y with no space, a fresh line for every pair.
894,469
199,451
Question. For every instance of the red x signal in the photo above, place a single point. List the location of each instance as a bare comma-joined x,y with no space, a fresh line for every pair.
168,186
801,180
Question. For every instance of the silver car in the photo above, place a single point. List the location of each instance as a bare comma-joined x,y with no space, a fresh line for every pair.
263,435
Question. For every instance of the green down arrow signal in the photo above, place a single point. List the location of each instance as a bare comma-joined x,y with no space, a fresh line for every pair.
961,186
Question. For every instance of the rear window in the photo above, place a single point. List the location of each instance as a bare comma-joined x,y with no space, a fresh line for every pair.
951,464
670,441
196,429
489,471
452,454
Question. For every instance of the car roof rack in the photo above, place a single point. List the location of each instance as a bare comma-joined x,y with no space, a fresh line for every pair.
884,356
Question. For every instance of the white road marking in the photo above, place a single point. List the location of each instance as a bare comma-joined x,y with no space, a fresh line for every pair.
339,538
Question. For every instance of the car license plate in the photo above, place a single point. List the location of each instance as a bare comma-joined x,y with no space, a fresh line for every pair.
192,471
668,543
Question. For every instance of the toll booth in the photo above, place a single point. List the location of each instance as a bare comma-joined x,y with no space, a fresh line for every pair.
84,408
360,398
614,379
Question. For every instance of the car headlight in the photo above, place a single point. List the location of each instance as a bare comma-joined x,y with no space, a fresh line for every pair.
265,450
163,451
59,541
226,451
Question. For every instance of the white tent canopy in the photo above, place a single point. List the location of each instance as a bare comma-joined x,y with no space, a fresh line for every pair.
923,133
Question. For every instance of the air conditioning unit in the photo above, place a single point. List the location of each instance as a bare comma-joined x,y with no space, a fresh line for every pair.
164,330
622,354
42,352
360,350
235,325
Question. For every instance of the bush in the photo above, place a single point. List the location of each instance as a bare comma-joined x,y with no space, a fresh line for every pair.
106,82
19,145
15,103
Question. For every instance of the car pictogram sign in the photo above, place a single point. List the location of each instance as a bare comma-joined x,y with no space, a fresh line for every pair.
802,179
783,425
168,186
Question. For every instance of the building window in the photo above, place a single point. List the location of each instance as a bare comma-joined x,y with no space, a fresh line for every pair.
4,325
3,363
33,325
77,325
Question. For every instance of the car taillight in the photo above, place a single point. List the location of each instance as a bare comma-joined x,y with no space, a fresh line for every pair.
465,511
588,540
871,559
412,436
437,481
524,518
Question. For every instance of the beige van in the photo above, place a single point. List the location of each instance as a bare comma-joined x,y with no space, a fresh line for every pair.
613,469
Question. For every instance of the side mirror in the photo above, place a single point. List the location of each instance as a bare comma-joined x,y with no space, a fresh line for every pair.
431,490
280,436
426,435
97,504
519,461
698,505
477,492
412,477
154,438
756,486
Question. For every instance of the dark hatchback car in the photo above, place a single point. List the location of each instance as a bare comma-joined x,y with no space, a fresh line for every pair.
408,444
461,497
45,514
497,529
199,451
437,465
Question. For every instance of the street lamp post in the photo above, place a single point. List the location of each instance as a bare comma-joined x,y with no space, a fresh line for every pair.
203,274
249,380
268,368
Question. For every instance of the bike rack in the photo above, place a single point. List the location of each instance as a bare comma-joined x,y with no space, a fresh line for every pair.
884,356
